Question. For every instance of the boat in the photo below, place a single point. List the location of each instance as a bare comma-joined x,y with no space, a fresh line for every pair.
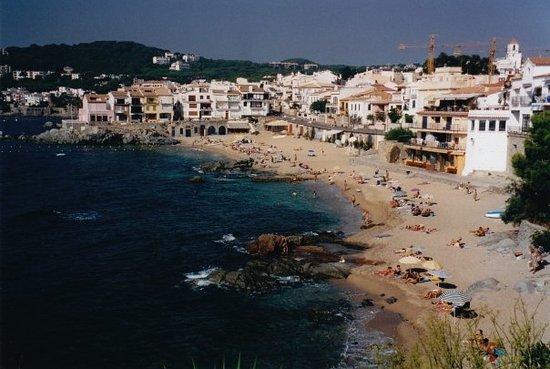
495,214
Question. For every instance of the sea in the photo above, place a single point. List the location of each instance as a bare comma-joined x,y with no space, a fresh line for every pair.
104,251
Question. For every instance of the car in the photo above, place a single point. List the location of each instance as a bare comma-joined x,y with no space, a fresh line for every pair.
311,152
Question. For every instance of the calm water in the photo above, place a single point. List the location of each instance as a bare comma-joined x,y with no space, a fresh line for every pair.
96,245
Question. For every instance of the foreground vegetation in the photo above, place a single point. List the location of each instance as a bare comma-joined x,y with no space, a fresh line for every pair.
449,343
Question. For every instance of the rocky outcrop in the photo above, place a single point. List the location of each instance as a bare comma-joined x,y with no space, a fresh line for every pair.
526,230
282,259
269,245
222,166
104,136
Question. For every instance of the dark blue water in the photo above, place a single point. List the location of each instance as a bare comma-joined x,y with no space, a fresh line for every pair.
96,243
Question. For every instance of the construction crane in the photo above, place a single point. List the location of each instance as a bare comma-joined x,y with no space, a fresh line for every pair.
457,50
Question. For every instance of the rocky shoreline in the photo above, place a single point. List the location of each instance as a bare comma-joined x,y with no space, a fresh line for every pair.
94,135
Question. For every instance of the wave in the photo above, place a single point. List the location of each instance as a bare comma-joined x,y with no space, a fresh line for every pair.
84,216
200,278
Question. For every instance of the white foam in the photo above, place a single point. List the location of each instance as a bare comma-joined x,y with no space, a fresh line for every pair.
202,274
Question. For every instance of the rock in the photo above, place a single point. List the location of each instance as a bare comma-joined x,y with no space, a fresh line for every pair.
197,179
48,125
93,135
526,230
218,166
525,286
391,300
489,284
504,246
269,244
367,302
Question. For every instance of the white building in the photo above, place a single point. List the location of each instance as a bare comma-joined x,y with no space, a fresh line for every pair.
530,92
161,60
510,64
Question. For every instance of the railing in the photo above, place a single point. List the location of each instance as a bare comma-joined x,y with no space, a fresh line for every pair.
453,127
522,100
435,144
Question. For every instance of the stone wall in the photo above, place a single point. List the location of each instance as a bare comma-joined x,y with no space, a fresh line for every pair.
526,229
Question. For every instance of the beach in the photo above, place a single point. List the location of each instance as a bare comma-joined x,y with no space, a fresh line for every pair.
490,276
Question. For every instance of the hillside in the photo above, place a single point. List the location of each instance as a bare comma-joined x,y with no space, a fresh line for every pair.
110,57
125,59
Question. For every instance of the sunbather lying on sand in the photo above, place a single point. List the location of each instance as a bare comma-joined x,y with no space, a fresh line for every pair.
442,306
432,294
480,232
411,277
388,272
456,243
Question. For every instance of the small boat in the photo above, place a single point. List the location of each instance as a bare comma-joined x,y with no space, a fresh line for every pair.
60,154
494,214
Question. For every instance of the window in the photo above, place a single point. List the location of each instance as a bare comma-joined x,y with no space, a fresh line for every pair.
192,98
481,125
472,125
414,104
502,126
437,119
492,125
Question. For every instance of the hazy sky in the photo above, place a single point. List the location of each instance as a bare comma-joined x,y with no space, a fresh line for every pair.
353,32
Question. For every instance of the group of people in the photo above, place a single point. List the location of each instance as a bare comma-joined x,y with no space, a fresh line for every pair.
489,350
480,232
417,210
456,243
420,228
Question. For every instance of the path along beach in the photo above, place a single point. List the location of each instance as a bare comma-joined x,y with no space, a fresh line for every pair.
455,214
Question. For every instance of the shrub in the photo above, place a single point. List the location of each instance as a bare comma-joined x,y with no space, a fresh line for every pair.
400,134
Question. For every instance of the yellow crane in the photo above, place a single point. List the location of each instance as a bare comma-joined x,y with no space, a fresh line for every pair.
457,50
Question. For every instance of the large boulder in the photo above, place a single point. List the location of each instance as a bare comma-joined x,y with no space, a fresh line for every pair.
489,284
269,245
526,230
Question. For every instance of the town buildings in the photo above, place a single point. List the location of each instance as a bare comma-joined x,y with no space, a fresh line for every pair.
461,123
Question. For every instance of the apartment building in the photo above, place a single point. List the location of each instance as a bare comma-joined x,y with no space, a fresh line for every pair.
96,109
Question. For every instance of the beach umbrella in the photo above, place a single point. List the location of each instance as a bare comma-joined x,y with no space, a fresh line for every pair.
409,260
439,273
399,194
431,264
456,298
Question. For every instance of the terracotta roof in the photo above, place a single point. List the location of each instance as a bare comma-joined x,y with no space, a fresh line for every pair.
540,60
119,93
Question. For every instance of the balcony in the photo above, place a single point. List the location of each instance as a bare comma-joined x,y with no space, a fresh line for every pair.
434,146
520,101
461,127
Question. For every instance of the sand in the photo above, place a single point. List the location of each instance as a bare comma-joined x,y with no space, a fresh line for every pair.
456,214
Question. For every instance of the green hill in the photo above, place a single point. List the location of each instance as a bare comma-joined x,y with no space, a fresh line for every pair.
118,57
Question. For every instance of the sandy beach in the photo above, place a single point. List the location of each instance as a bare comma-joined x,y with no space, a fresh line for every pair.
455,214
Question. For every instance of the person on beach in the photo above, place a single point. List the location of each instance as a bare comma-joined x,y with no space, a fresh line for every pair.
476,197
535,258
345,185
353,200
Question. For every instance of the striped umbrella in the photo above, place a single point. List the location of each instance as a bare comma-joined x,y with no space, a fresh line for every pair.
457,298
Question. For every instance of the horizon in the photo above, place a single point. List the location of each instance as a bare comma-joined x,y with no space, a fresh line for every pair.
353,32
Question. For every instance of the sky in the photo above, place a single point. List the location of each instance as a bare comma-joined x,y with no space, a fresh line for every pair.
351,32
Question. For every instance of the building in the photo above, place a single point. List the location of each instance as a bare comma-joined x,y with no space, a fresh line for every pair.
511,63
529,92
255,100
161,60
95,109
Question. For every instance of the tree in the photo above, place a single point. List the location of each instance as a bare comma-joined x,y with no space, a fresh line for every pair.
400,134
394,115
530,194
319,106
